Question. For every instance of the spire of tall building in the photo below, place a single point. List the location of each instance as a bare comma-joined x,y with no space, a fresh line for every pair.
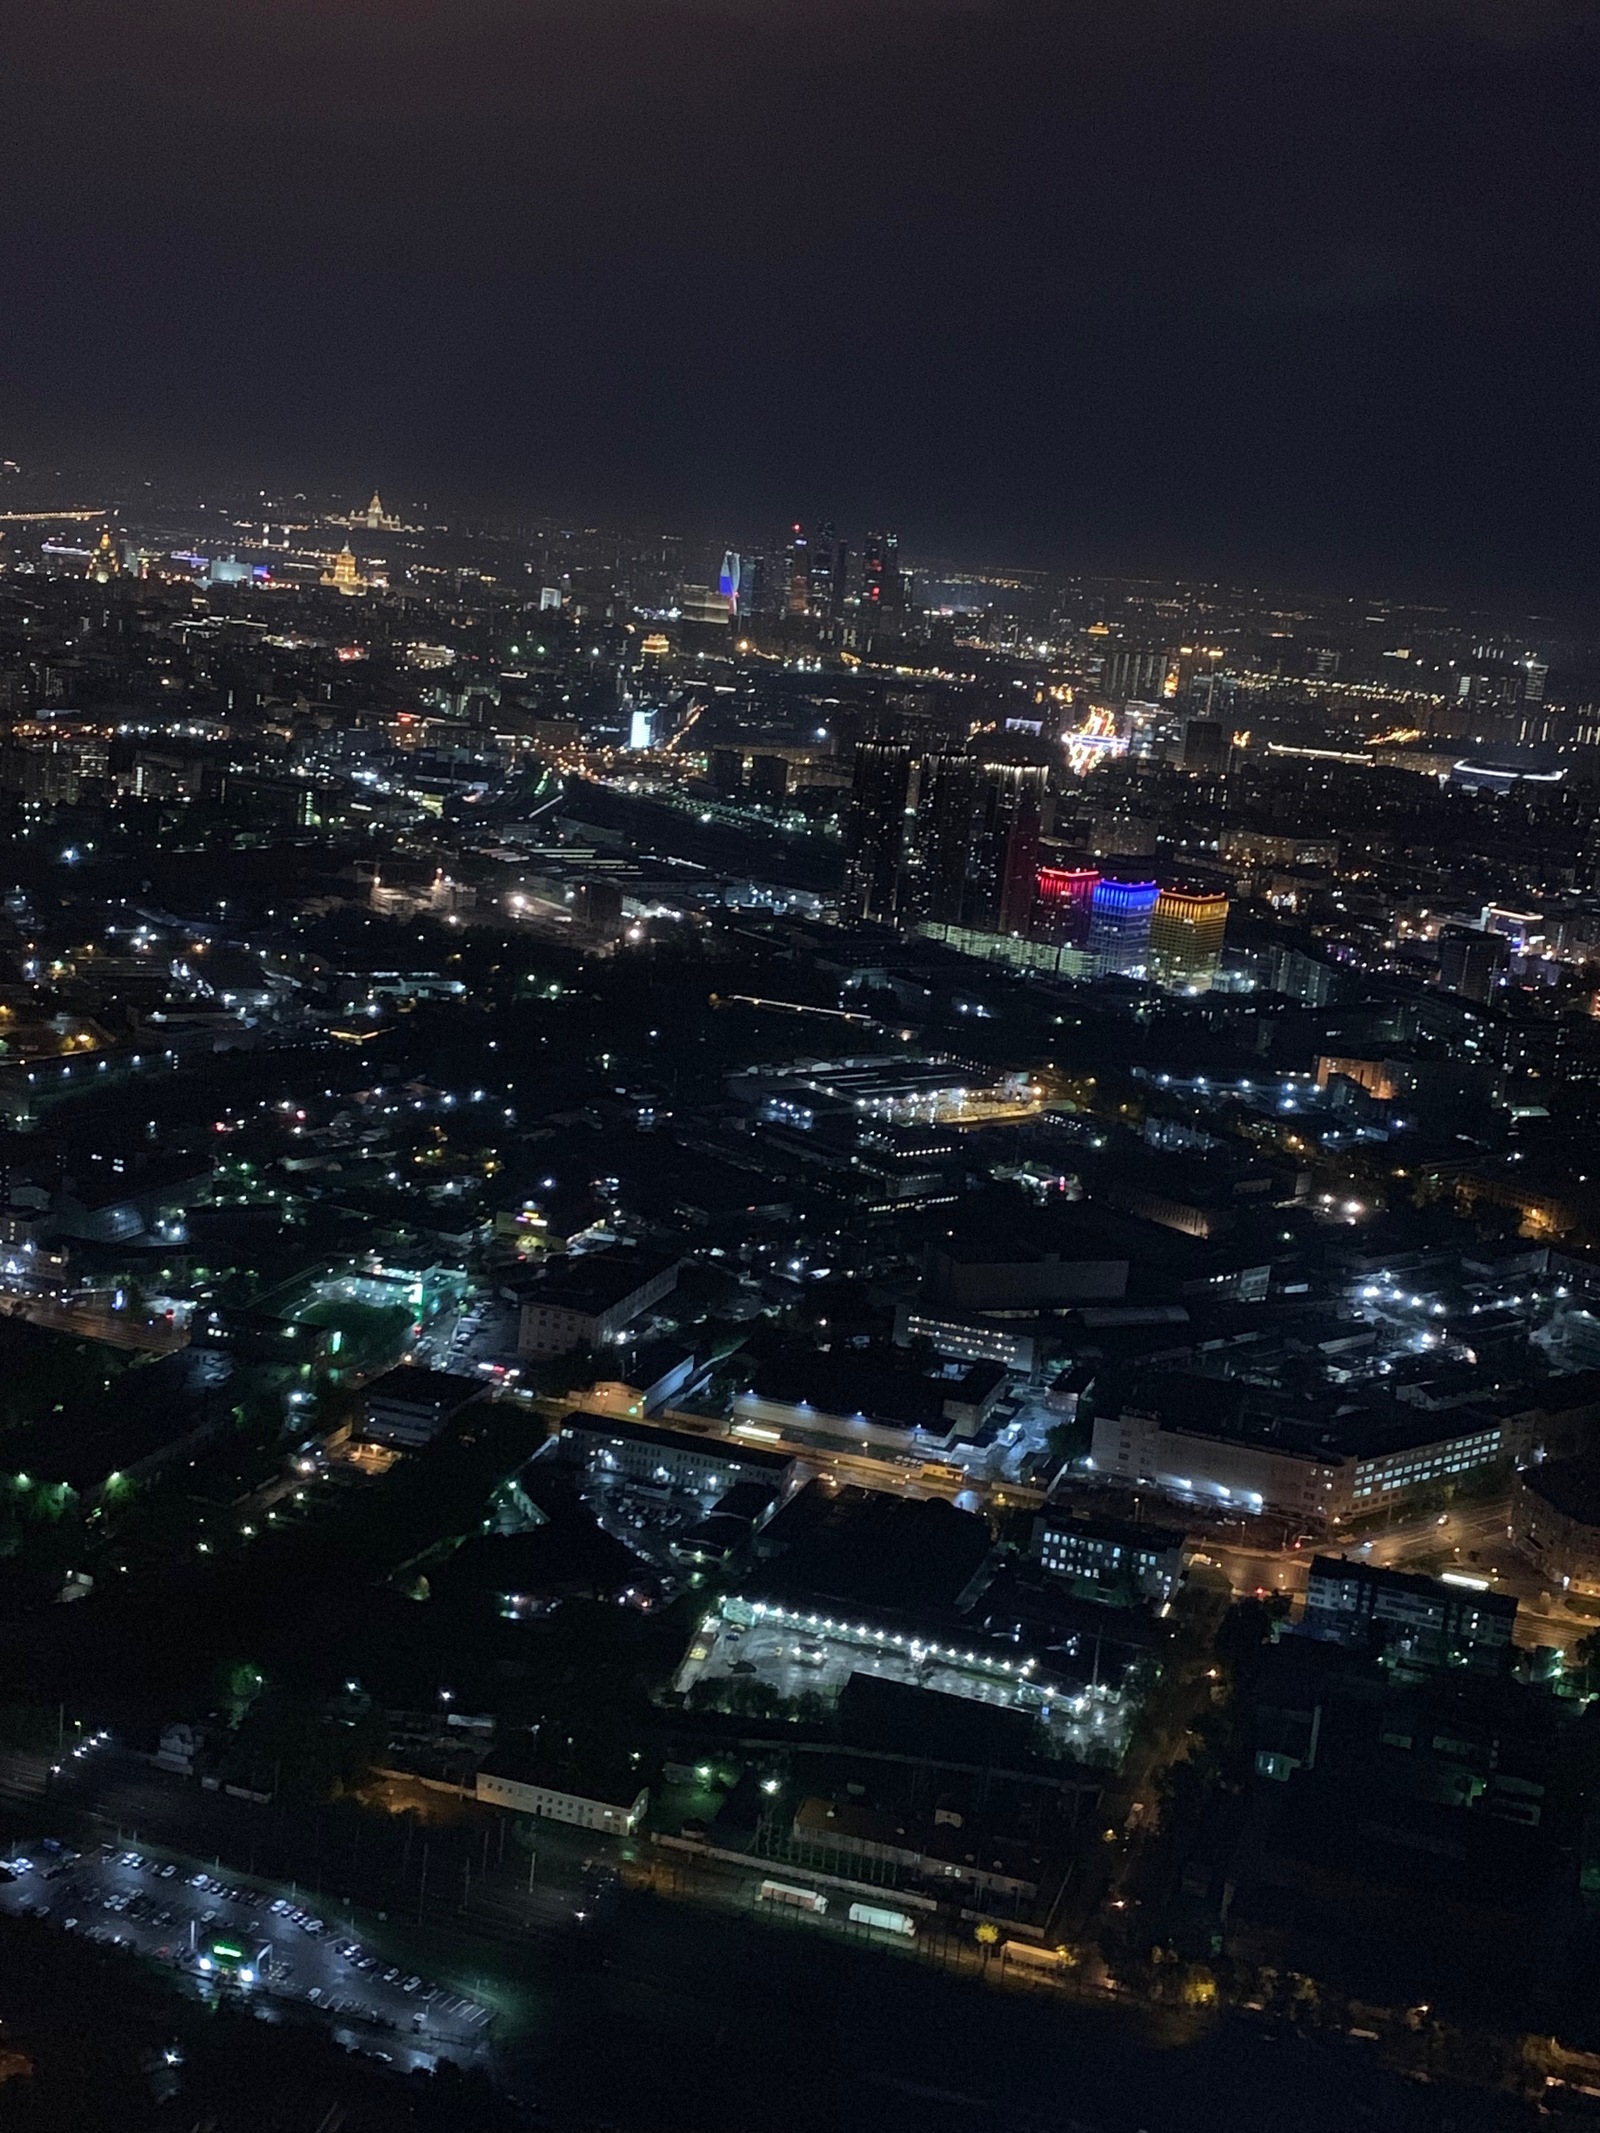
106,562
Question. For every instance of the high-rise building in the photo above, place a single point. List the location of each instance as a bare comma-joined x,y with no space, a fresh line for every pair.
1205,747
1123,673
1119,928
882,586
1063,905
1470,962
797,600
342,574
1186,934
947,838
883,795
827,566
1577,1067
976,848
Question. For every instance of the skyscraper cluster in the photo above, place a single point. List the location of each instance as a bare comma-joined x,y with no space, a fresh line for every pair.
955,842
943,837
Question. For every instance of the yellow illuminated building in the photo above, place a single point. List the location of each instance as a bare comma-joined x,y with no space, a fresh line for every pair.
342,575
1186,933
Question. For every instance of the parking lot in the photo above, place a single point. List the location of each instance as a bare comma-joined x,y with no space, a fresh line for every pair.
796,1662
224,1936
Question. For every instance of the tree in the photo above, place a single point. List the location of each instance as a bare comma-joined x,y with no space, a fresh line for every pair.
1069,1440
1198,1987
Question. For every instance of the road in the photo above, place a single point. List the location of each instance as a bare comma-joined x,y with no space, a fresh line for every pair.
118,1329
1471,1542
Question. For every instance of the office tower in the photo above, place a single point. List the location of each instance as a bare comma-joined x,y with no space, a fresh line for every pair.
728,580
1119,928
1186,935
763,584
1063,904
882,586
1470,963
883,794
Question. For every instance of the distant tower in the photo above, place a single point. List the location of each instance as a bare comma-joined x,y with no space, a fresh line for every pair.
105,564
729,580
342,575
797,598
882,586
376,521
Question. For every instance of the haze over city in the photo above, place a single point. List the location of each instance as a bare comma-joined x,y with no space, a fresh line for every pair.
1305,291
799,1038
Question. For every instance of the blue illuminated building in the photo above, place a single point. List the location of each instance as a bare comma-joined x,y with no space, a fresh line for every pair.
1119,928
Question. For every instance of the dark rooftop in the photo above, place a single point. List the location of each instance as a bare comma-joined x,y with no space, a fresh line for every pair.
870,1550
1570,1486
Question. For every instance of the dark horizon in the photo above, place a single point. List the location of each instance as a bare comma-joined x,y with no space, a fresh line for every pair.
1304,296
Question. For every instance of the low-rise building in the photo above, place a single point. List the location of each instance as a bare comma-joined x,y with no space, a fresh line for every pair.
1113,1556
1211,1440
408,1406
524,1783
590,1301
669,1458
1432,1621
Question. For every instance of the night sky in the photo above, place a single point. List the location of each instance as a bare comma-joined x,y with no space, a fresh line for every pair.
1308,288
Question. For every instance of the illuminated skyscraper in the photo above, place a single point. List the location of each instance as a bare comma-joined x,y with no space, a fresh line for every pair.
1186,935
1119,928
1063,905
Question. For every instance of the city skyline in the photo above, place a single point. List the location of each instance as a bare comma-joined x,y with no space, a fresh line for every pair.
800,1066
1237,290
